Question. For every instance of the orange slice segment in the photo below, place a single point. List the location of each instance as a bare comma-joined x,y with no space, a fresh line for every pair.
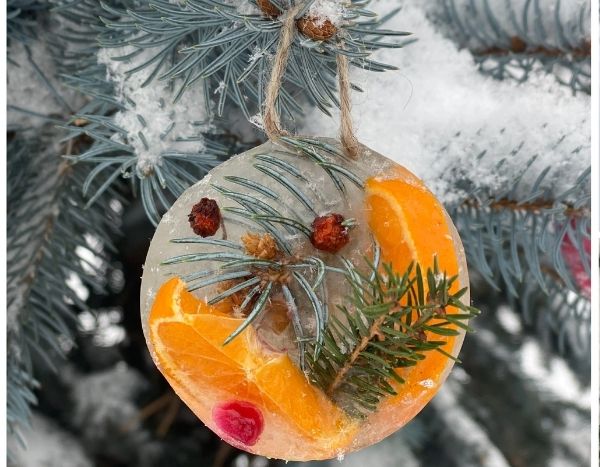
320,419
173,299
410,224
195,359
187,339
244,350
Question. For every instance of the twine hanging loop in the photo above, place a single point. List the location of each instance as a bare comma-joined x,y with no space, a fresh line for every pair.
271,120
347,137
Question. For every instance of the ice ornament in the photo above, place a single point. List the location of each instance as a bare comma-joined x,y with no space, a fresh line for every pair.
297,299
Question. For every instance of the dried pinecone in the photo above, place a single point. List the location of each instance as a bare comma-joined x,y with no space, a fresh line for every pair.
260,246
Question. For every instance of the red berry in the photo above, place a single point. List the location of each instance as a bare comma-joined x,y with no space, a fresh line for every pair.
329,233
239,420
205,218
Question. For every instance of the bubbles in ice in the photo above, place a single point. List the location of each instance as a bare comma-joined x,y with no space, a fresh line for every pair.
427,383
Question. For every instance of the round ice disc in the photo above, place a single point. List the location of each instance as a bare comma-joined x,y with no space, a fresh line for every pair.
255,269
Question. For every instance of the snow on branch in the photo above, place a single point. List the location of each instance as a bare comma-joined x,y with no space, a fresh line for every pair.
441,122
152,124
516,37
150,135
510,168
327,10
230,46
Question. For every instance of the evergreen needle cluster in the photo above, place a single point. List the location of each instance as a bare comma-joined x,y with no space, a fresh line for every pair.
386,325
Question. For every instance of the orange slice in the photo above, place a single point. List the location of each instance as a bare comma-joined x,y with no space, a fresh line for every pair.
410,224
187,337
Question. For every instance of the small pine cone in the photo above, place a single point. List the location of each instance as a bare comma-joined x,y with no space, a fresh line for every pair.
329,233
268,8
260,246
205,218
315,28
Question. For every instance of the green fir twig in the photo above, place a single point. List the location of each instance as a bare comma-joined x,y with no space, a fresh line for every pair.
384,327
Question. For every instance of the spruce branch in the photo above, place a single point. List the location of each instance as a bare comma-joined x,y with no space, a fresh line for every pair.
48,239
510,231
560,317
138,128
22,19
246,277
512,40
382,328
229,46
159,162
520,46
536,206
529,239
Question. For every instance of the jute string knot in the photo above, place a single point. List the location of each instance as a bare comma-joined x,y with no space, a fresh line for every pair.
271,121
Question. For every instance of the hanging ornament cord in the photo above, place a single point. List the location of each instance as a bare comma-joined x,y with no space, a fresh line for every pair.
271,121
